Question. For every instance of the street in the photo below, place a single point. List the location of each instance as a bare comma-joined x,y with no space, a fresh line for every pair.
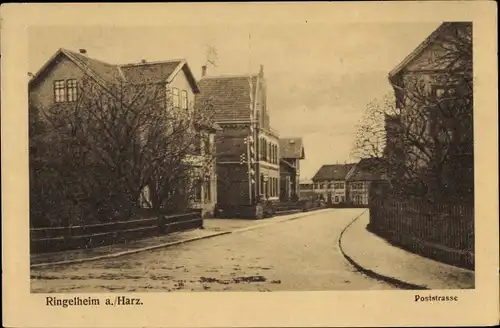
296,255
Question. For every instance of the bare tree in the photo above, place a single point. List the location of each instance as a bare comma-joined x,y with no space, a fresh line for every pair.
114,142
426,136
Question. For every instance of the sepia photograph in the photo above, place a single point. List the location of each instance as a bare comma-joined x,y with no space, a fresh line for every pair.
232,169
216,156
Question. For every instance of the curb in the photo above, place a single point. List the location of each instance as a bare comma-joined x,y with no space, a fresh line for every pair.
129,252
372,274
144,249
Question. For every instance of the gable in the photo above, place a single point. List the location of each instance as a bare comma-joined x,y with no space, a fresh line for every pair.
428,59
428,53
292,148
41,92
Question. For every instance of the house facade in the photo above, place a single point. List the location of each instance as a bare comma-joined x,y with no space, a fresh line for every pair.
360,178
291,153
330,182
434,84
58,81
248,167
306,189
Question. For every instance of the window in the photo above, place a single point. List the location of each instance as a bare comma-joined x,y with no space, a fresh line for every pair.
444,91
184,99
197,190
332,185
339,185
263,149
175,97
336,199
59,91
207,190
262,184
342,199
196,145
208,145
323,186
72,90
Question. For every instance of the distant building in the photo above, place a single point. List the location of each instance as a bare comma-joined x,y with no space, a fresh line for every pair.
291,152
306,189
246,172
330,182
360,178
57,83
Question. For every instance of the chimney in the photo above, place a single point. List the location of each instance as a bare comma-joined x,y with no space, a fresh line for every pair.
83,51
203,70
143,61
261,72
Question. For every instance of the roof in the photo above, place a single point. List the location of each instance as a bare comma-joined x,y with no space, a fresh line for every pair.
368,169
158,71
333,172
291,148
138,73
229,95
420,49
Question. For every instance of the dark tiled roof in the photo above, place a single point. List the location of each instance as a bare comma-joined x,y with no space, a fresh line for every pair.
291,148
368,169
149,72
108,72
333,172
152,72
229,95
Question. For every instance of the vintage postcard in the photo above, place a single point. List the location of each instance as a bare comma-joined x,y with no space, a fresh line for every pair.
250,164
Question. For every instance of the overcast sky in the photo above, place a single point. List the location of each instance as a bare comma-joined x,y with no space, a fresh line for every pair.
320,76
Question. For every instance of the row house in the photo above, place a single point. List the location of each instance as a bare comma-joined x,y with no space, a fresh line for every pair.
248,151
57,84
291,153
330,182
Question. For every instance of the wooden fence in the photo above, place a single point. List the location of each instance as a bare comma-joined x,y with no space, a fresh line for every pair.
79,237
441,232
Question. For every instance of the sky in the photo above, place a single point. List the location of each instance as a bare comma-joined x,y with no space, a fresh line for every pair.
320,76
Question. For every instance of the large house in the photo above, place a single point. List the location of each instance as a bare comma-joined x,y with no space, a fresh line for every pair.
433,91
248,165
57,82
330,182
291,152
360,178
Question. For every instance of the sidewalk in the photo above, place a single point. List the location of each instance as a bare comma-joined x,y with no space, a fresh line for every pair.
376,257
212,228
